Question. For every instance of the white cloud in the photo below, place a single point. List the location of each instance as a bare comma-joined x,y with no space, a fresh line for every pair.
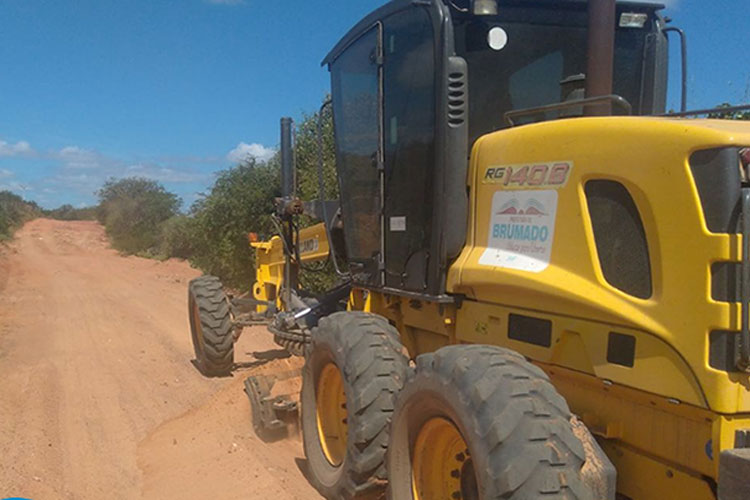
73,174
78,158
244,151
17,149
83,183
165,174
14,186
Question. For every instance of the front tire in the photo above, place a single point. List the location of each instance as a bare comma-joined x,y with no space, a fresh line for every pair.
480,422
211,326
352,375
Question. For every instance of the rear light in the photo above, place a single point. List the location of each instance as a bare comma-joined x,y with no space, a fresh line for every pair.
745,157
484,7
633,20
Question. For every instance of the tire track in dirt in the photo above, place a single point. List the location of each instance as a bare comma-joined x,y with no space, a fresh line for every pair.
95,358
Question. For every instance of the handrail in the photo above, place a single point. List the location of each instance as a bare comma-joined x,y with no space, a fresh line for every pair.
321,190
614,99
683,47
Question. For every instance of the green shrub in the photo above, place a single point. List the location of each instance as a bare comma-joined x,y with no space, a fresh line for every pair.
14,212
241,201
306,156
141,217
133,210
68,212
176,237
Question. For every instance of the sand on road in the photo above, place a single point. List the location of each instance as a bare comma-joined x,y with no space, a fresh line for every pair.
98,395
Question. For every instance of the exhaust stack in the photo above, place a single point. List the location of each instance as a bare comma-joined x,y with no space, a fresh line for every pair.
287,207
601,54
287,165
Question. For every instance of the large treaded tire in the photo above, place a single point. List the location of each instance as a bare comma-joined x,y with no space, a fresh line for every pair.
211,326
515,425
369,355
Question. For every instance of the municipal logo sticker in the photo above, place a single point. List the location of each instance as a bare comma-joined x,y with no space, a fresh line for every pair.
522,227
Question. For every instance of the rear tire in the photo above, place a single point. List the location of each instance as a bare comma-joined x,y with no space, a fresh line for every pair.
353,372
211,326
482,422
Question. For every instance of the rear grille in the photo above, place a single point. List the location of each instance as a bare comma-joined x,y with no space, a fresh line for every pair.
717,176
725,281
722,350
742,439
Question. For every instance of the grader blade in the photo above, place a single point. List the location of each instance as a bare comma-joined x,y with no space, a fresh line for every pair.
274,401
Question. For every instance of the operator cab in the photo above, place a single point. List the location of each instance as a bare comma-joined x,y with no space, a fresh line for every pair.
535,53
416,83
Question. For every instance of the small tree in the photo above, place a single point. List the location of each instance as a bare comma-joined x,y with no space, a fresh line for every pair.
240,201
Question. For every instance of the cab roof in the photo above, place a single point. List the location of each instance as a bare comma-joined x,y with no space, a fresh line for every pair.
397,5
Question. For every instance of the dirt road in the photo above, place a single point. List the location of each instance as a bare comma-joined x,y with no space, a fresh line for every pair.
98,397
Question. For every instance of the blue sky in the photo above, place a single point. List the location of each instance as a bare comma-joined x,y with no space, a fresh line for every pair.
175,90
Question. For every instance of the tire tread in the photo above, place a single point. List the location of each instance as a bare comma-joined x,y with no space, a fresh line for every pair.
374,370
216,325
521,423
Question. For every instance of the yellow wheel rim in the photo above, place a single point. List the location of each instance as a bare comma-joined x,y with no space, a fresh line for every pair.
442,467
331,414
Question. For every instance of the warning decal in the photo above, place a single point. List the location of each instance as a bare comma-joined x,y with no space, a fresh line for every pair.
522,227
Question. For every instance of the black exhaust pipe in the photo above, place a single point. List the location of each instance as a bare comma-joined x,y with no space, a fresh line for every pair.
287,165
601,54
286,211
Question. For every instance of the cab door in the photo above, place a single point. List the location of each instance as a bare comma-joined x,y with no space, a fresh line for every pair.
357,96
409,102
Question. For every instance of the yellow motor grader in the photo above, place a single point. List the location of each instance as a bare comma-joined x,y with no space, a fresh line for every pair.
543,279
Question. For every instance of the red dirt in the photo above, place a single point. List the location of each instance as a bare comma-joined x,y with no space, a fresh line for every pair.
98,397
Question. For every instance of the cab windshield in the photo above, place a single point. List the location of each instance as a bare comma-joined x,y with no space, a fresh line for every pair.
537,56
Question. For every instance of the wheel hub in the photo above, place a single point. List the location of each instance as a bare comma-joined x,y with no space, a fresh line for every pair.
442,467
331,414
